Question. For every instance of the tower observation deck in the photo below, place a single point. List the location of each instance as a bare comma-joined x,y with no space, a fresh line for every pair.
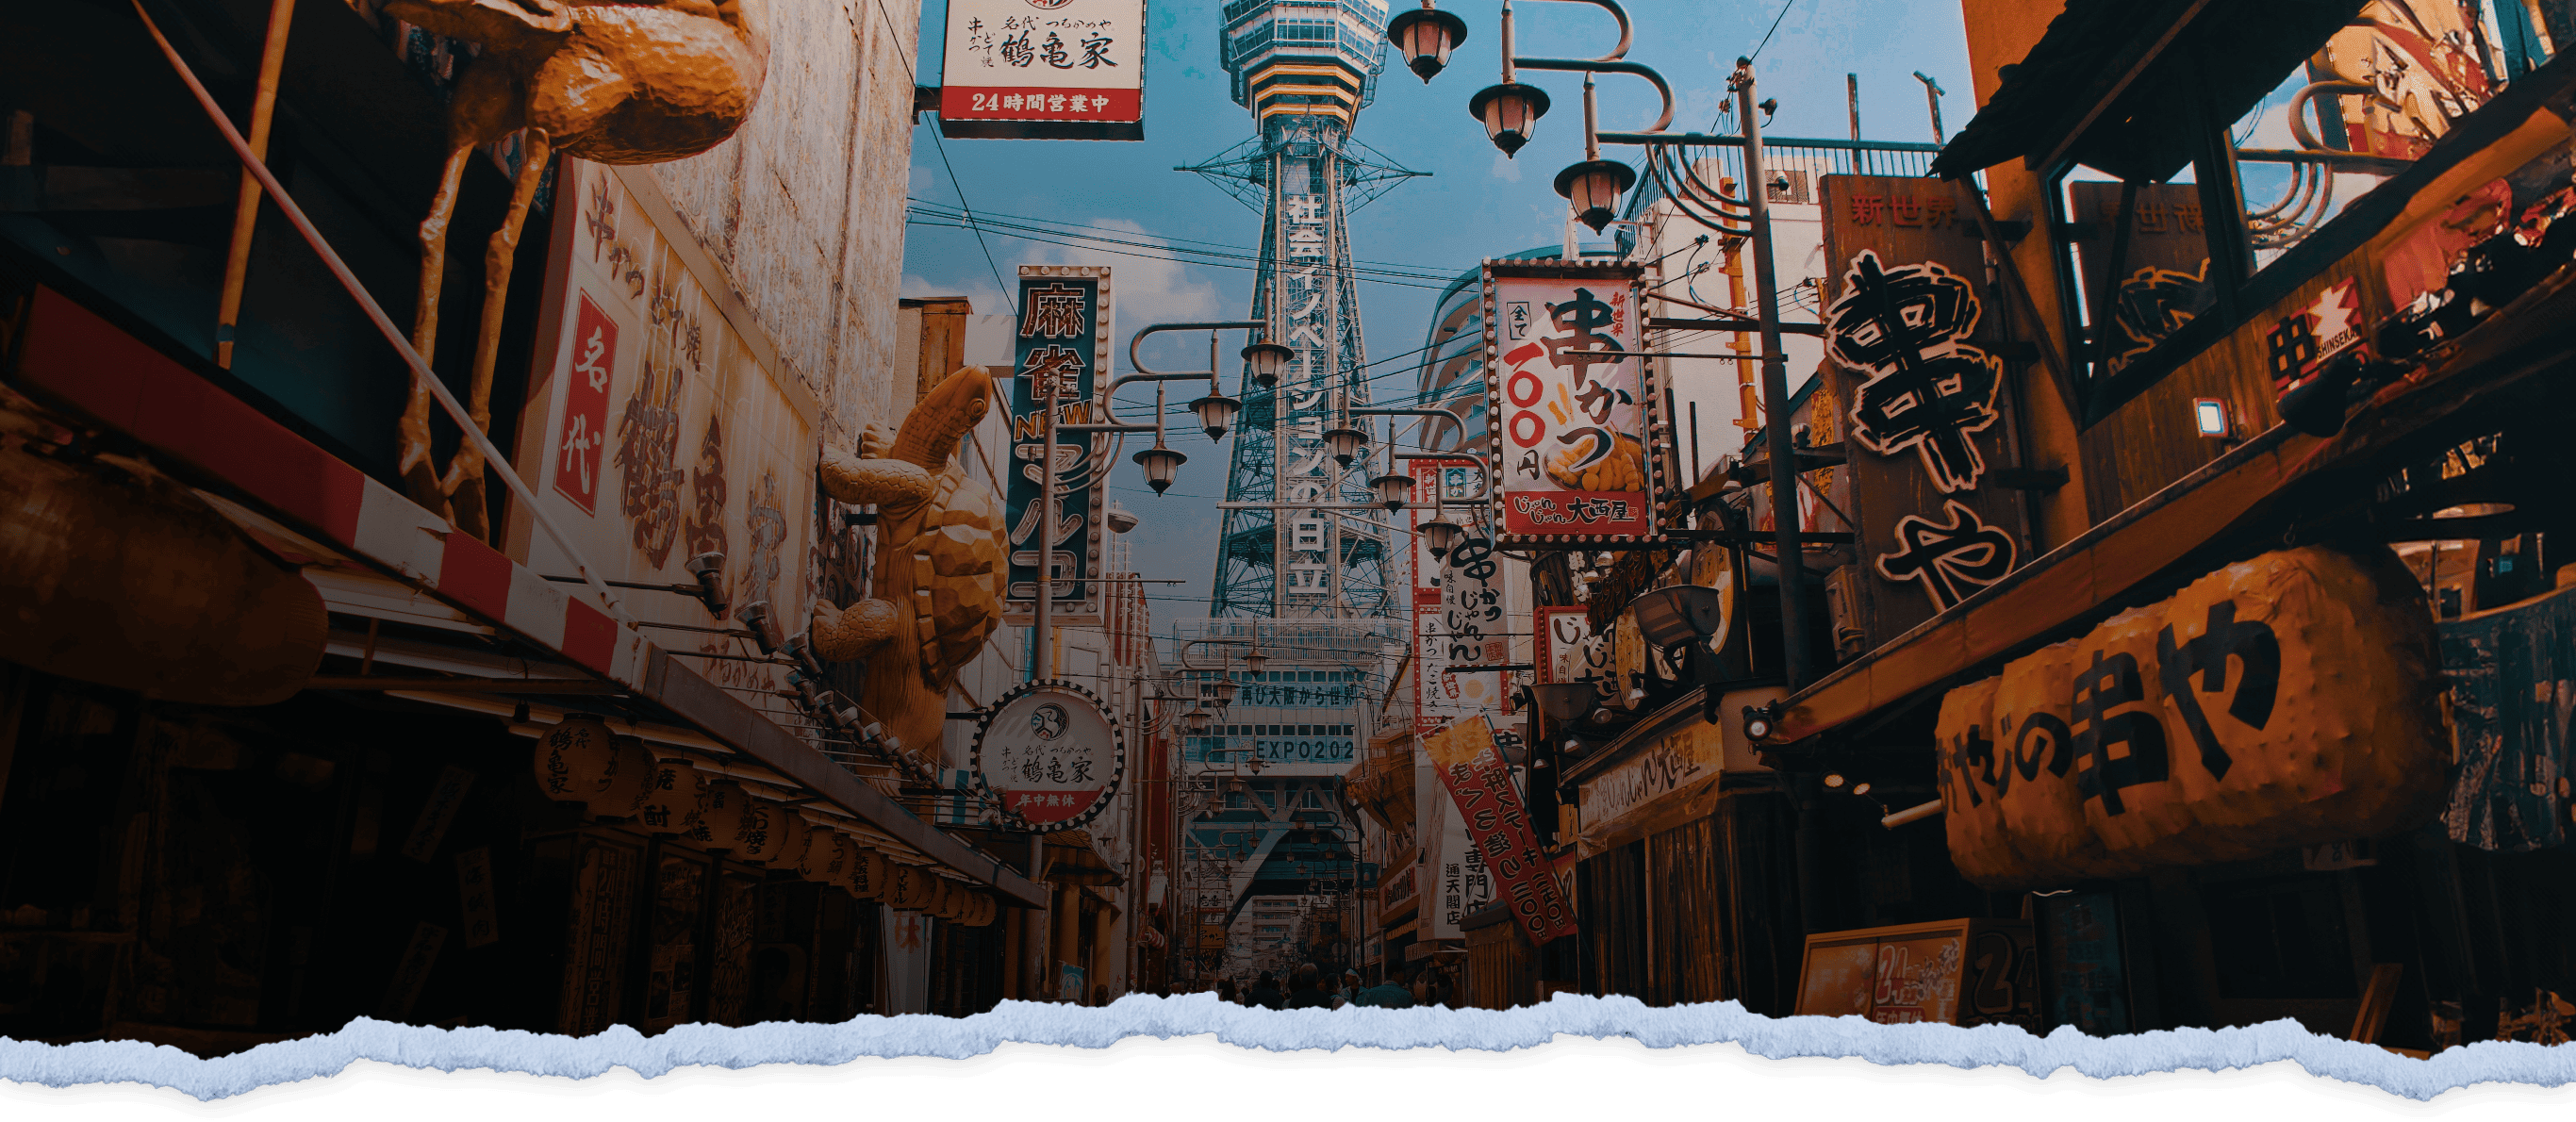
1305,68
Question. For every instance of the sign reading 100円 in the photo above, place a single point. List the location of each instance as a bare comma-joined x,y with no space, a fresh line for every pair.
1049,755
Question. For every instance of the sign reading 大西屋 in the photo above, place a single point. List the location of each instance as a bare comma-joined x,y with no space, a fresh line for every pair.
1570,403
1044,69
1063,340
1050,755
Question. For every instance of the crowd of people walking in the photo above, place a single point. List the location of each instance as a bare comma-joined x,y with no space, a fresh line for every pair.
1309,987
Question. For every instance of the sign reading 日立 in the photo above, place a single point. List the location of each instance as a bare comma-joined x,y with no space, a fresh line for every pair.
1063,338
1572,402
1044,70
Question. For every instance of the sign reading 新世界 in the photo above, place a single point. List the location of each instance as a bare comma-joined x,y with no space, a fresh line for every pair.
1050,755
1570,401
1480,786
2164,264
1063,340
1921,401
1044,69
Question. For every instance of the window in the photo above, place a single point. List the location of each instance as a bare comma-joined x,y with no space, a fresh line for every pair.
2144,260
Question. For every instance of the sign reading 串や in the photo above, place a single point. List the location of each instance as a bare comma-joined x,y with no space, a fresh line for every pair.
1463,603
1044,69
1480,786
1919,387
1050,755
1570,402
1063,341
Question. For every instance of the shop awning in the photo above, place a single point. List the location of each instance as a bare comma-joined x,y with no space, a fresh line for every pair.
1073,857
2111,82
82,360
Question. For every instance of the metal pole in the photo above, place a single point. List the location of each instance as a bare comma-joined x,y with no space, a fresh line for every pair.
1931,93
1775,397
1041,652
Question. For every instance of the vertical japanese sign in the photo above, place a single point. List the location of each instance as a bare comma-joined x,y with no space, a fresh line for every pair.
1306,314
1044,70
1926,408
1464,604
581,445
2164,268
1571,403
1456,880
1063,338
1480,785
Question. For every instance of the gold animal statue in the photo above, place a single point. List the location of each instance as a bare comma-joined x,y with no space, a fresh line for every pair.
938,570
613,82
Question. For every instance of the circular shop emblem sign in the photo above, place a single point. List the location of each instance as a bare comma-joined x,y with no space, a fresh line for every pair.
1050,755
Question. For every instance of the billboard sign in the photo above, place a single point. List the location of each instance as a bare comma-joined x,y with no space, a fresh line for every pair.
1570,403
1050,755
1044,70
1063,337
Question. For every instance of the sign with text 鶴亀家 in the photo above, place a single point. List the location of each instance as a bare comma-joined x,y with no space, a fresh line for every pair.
1044,70
1480,787
1050,755
1572,405
1063,341
1924,409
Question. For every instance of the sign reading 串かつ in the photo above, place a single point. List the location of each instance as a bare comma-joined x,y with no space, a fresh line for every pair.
665,436
1050,755
1572,404
1063,340
1044,69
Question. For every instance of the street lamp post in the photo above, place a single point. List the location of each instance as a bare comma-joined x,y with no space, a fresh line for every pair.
1775,394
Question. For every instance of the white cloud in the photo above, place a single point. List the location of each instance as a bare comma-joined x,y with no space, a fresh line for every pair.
988,299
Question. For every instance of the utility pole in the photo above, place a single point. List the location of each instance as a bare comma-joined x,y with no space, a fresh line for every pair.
1775,395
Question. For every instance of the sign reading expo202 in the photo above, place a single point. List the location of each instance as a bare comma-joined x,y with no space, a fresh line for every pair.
1044,70
1050,755
1571,403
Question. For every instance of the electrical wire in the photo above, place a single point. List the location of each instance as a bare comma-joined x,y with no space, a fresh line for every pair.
941,147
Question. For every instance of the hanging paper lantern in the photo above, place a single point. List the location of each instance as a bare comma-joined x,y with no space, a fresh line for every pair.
797,835
759,830
868,873
674,802
580,760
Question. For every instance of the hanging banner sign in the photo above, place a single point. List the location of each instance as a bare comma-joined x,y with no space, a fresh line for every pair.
1063,338
1050,755
1568,651
1480,786
1044,70
1572,404
2289,700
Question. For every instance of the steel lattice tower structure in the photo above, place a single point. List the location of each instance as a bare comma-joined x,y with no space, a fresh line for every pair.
1305,68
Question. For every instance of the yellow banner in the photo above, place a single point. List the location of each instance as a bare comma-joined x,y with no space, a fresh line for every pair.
2292,699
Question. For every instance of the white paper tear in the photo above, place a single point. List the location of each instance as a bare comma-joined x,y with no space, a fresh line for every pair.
449,1050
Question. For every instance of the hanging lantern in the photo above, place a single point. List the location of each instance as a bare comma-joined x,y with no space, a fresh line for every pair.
1254,660
1216,414
869,873
1426,35
1197,721
822,859
1393,490
1345,443
581,760
1160,465
796,836
758,830
1223,690
720,815
673,802
1594,187
126,578
1265,362
1439,535
1510,113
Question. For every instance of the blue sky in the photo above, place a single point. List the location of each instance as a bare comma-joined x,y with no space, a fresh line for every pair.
1474,204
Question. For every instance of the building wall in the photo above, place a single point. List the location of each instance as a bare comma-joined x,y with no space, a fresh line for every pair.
803,207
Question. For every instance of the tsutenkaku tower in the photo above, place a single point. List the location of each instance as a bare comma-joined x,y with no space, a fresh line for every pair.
1305,68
